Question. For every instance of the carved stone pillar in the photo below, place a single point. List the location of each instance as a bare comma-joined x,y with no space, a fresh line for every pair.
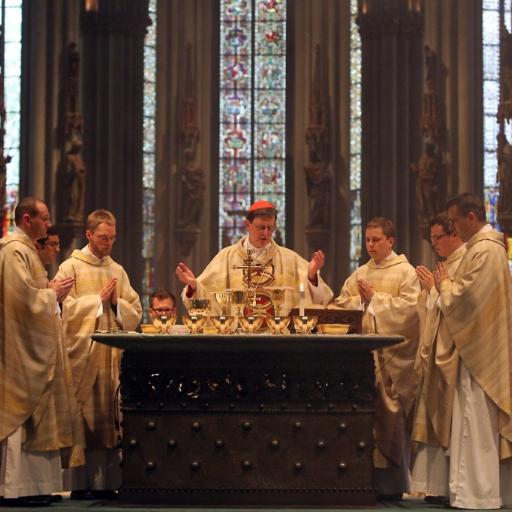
49,26
504,149
318,170
112,44
453,31
186,164
318,133
391,32
429,170
71,173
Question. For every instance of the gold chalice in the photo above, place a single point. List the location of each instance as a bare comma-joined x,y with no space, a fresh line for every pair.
225,324
278,324
239,300
224,300
304,324
194,323
278,296
251,324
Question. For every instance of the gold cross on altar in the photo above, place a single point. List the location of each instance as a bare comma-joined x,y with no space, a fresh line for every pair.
249,267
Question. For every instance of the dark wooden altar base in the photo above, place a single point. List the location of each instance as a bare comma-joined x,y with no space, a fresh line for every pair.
248,421
339,498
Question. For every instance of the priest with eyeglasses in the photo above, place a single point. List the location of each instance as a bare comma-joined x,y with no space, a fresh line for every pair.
257,260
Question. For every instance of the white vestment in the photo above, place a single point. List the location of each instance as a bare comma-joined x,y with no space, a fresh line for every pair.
476,304
436,364
27,473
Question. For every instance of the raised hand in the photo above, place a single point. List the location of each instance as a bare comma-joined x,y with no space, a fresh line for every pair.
316,263
186,276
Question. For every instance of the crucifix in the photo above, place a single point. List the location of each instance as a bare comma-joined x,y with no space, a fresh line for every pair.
249,266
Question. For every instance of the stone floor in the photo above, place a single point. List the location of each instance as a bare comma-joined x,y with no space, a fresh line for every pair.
411,503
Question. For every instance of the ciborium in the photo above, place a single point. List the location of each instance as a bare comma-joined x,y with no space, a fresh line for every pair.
304,324
193,323
165,323
251,324
225,324
278,324
199,307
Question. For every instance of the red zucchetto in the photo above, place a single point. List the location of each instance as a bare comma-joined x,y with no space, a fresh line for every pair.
258,205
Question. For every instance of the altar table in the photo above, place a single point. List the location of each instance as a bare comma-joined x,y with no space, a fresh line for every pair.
248,420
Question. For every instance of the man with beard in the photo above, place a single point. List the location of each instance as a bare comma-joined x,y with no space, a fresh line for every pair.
102,298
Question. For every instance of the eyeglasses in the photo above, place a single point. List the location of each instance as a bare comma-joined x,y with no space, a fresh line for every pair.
163,311
264,227
105,238
435,238
53,245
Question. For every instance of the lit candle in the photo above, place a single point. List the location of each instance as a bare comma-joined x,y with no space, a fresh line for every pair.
302,298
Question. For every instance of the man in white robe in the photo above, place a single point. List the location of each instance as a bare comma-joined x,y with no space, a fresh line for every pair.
102,298
476,303
387,289
37,400
437,366
280,267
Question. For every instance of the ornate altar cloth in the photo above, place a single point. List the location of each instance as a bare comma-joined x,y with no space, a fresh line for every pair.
247,420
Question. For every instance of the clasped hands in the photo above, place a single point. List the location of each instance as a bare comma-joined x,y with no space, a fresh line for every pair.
61,287
430,279
108,294
365,291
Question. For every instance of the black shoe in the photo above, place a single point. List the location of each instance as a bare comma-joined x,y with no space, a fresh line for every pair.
90,494
389,497
105,495
437,500
42,500
54,498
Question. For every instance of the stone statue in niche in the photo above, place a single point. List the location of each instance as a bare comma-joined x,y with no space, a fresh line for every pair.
426,170
192,184
318,183
505,106
318,177
73,171
431,117
504,177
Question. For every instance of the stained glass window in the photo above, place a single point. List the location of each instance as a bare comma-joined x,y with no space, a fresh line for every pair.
12,10
148,174
355,139
252,138
491,96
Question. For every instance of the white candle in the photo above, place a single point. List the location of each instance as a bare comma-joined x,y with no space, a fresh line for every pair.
302,299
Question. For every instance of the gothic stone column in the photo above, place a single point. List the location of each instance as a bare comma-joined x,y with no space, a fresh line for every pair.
392,53
112,41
